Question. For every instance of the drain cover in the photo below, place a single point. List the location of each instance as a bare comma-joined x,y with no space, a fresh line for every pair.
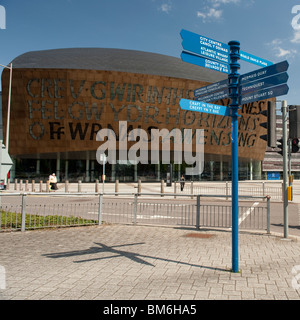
199,235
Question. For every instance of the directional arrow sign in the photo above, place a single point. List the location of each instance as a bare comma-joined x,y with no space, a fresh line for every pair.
264,72
212,92
257,80
199,106
215,50
204,46
264,83
217,86
214,96
255,60
265,94
205,63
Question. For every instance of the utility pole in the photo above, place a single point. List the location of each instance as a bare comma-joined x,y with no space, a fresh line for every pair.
285,166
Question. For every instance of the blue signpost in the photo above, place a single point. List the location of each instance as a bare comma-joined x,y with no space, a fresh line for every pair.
264,72
192,105
233,79
253,59
261,84
204,46
217,86
212,92
218,95
265,94
215,50
205,63
264,83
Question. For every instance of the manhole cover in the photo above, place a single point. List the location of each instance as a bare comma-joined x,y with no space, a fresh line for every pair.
199,235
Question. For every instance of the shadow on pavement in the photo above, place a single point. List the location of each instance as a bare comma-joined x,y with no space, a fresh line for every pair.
135,257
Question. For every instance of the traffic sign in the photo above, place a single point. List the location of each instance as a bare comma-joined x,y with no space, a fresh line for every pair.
214,96
205,63
217,86
228,54
215,50
264,83
204,46
254,60
273,176
264,72
198,106
251,82
212,92
268,93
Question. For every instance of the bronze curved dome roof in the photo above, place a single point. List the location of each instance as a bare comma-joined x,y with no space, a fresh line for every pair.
115,60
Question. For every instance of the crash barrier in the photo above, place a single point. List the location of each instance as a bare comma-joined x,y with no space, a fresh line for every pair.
27,211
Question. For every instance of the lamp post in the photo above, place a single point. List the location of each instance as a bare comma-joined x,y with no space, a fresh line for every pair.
8,111
103,159
8,107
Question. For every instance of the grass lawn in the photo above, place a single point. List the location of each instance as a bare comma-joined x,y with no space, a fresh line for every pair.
13,220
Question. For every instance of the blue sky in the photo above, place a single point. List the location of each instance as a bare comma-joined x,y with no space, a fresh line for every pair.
263,27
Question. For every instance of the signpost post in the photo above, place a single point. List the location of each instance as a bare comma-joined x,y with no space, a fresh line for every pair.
265,83
233,80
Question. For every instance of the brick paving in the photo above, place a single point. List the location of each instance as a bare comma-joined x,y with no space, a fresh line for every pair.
124,262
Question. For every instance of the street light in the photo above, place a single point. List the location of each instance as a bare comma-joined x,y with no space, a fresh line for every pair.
8,112
8,107
103,159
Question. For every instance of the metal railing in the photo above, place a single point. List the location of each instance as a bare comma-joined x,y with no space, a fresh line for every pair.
26,211
254,188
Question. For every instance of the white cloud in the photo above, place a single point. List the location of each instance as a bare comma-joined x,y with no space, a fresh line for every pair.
296,37
283,53
212,11
279,52
218,2
165,7
276,42
201,15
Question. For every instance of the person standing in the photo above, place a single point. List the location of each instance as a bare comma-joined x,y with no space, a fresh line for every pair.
53,182
182,182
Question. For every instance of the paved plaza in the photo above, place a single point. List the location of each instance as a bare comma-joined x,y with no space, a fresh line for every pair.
125,262
139,262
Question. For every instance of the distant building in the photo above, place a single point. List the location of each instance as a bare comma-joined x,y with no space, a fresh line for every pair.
273,161
61,98
1,124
